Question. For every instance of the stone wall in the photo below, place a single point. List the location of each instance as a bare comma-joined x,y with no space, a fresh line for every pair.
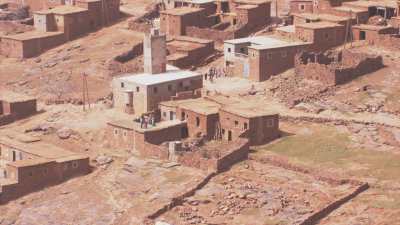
334,68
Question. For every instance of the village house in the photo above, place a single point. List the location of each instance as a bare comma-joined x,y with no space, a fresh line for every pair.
258,58
214,19
141,93
28,164
322,35
15,106
226,127
56,25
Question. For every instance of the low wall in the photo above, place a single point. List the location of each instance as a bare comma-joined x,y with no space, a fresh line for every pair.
6,119
211,34
320,214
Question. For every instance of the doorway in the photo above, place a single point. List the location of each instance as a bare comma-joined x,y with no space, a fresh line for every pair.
363,35
229,135
14,156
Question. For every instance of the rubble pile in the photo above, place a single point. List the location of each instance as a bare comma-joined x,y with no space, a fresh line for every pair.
293,90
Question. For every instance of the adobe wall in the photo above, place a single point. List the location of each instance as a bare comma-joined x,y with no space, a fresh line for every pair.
23,109
207,123
11,48
238,151
389,41
119,137
209,33
341,68
295,7
36,177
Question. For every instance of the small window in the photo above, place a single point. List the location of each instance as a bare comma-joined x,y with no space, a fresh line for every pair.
75,165
269,56
115,131
302,7
245,126
284,54
236,123
270,123
241,50
122,84
197,121
253,54
155,89
137,89
164,114
180,84
326,36
169,87
125,133
229,49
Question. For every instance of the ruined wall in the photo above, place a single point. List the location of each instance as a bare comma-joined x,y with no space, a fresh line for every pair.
209,33
388,41
339,69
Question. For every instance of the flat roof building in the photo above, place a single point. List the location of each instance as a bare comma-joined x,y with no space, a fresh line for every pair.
258,58
141,93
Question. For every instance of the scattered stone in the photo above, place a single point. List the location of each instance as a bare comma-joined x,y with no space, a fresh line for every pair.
64,133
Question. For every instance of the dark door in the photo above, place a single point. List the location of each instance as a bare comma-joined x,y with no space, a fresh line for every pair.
363,35
14,156
229,135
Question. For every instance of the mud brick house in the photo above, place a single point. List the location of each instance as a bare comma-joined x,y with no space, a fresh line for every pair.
240,120
322,35
15,106
334,68
186,51
141,93
301,6
258,58
201,115
28,164
29,44
216,20
371,33
56,25
312,18
202,133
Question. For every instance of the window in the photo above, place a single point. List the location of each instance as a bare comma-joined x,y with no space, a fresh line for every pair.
137,89
229,49
122,84
245,126
74,165
155,89
164,114
326,36
180,84
284,54
169,87
253,54
302,7
236,123
115,131
125,133
270,123
241,50
197,121
269,56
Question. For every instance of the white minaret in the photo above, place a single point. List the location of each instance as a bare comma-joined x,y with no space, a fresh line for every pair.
155,52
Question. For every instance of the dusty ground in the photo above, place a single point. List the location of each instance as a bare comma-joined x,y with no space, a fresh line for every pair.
251,192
